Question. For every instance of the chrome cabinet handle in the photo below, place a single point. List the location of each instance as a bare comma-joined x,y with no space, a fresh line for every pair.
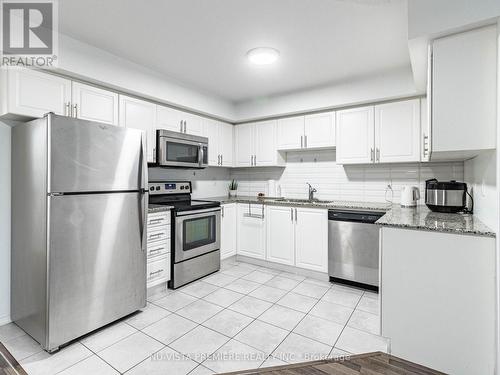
291,214
155,221
222,211
68,109
255,160
181,123
305,141
221,159
301,141
75,107
154,251
295,215
378,154
185,126
156,272
372,154
156,235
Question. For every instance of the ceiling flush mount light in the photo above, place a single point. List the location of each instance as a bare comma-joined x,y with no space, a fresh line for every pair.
263,55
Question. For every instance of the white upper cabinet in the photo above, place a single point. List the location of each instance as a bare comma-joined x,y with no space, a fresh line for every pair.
256,145
397,132
220,142
307,132
355,136
280,235
94,104
226,144
30,93
266,153
228,230
311,237
384,133
251,236
139,114
464,69
169,119
319,130
244,138
193,124
290,133
211,131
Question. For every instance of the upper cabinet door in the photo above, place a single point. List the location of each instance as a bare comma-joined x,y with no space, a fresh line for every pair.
290,133
139,114
169,119
355,136
311,239
244,136
464,91
33,94
94,104
266,153
211,131
320,130
226,143
397,132
193,124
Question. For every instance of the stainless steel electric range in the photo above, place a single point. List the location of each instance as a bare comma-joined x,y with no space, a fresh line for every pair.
195,227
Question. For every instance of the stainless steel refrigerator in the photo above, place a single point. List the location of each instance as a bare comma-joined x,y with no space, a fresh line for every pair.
79,206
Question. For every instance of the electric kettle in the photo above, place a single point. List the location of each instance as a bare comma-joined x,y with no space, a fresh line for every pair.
409,196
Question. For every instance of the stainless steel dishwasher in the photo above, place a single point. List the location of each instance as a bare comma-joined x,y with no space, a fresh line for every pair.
353,247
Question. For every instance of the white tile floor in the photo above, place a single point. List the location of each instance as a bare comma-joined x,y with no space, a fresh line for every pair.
243,317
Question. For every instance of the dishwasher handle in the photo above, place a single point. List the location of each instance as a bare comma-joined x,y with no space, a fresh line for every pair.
369,217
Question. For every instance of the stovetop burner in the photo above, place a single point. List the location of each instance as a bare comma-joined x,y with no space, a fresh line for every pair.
178,195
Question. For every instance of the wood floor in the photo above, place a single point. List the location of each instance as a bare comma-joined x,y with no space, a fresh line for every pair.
8,365
366,364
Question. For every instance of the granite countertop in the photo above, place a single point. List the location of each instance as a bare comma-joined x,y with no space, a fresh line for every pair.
302,203
421,218
152,208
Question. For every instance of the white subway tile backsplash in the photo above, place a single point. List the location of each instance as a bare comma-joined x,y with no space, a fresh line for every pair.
337,182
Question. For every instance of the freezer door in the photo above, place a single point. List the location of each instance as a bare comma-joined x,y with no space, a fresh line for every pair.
97,262
86,156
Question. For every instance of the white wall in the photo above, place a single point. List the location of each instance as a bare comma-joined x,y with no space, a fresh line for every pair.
209,182
433,17
5,137
336,182
480,174
93,64
390,85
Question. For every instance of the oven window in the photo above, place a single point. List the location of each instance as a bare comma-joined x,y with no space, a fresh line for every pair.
182,153
198,232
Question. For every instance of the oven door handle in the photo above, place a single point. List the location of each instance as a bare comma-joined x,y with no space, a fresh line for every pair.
194,212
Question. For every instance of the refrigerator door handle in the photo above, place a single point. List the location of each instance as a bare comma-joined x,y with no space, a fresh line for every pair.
144,193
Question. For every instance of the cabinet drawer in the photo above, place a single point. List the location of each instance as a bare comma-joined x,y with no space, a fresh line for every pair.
159,218
156,234
158,249
158,271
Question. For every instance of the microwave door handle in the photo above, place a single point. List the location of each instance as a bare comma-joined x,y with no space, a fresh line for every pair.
200,155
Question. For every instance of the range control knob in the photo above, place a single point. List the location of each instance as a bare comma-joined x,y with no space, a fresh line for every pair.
152,188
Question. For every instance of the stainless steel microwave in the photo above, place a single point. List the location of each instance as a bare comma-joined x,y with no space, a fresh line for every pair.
181,150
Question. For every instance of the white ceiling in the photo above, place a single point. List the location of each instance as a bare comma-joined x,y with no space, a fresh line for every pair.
202,43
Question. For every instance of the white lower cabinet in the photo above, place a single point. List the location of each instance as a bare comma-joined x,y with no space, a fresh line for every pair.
298,237
158,248
280,238
228,230
251,231
311,239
